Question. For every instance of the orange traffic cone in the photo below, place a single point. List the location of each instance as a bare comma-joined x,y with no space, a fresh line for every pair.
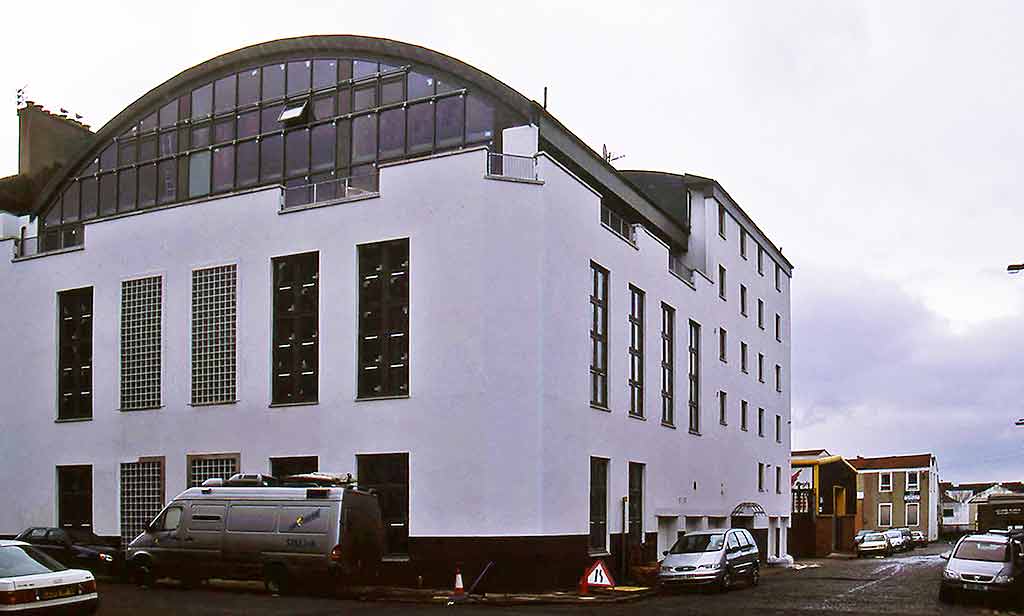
459,589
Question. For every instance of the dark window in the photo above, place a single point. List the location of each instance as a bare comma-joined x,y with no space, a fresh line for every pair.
364,138
344,70
778,278
479,120
169,114
344,157
760,477
598,505
668,362
364,97
420,85
323,107
778,377
298,77
743,242
325,73
760,260
392,133
202,102
223,168
694,375
224,94
388,476
721,220
108,194
126,152
760,313
201,136
723,344
75,349
599,336
148,147
636,351
269,118
760,367
384,319
450,121
323,144
249,87
248,161
126,190
363,68
636,503
199,173
296,328
744,407
108,158
723,408
70,207
89,198
743,357
778,428
296,152
295,465
74,496
760,422
271,158
248,124
148,123
166,183
421,127
721,282
392,90
743,300
224,130
273,82
778,327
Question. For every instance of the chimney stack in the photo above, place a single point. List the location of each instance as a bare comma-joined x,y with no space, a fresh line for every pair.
45,138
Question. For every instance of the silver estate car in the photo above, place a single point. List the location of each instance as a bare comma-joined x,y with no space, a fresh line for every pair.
984,563
872,544
714,558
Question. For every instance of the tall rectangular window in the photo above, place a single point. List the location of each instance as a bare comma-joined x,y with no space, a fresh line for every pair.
636,502
388,476
913,514
913,481
141,357
384,319
743,300
760,422
760,260
760,367
599,336
142,495
694,376
214,313
778,480
668,377
74,496
778,327
778,278
598,505
743,242
744,407
636,351
723,344
295,354
722,282
743,357
75,354
760,313
778,428
778,378
760,476
884,515
721,220
885,482
723,408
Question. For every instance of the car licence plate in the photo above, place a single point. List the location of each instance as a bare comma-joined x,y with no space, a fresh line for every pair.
57,593
975,586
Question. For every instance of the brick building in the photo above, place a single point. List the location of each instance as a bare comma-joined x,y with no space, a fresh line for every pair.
898,491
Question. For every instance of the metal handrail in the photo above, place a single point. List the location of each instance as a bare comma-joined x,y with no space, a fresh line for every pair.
329,190
60,238
512,166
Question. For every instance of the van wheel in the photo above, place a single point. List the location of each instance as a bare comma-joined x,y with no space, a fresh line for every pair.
275,579
142,574
944,595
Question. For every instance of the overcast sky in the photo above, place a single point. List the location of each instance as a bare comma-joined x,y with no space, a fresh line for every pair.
878,143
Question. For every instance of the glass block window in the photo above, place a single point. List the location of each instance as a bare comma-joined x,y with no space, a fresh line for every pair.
384,319
141,314
296,328
142,496
214,334
201,468
75,354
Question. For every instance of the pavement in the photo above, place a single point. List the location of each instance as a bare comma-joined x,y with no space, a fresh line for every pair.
902,585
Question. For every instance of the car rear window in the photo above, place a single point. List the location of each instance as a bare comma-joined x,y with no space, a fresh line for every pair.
874,537
982,550
19,560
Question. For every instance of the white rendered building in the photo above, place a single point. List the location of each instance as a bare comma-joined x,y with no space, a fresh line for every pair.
350,254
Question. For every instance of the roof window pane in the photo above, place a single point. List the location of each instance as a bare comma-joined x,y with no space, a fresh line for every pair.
168,142
298,77
169,114
364,138
344,151
202,102
325,73
248,87
199,174
148,123
392,133
479,119
386,68
271,158
224,94
147,185
420,85
89,198
108,194
443,85
344,69
421,127
185,107
296,148
268,118
247,160
108,158
322,141
450,113
147,147
126,190
201,136
323,107
273,81
392,91
167,183
126,152
70,203
248,124
365,97
223,168
224,129
52,218
363,68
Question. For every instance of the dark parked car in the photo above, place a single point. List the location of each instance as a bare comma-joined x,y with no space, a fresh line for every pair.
76,548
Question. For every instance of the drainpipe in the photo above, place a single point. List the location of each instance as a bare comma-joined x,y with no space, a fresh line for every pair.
625,536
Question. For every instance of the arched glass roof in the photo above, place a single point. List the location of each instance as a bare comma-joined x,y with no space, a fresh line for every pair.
292,112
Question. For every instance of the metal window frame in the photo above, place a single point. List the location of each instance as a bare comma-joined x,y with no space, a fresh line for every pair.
599,341
637,309
606,465
77,359
723,401
387,331
275,317
668,332
693,373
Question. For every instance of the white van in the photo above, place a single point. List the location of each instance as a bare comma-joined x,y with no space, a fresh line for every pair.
282,534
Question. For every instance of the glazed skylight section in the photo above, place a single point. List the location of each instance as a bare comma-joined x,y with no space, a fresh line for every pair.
296,123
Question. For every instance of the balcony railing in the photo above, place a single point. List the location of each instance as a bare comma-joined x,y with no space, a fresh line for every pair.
329,190
52,240
512,166
617,224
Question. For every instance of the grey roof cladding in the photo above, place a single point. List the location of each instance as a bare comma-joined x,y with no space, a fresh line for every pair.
666,190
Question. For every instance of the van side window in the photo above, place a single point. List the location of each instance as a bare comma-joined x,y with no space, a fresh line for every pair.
734,541
172,517
252,518
207,517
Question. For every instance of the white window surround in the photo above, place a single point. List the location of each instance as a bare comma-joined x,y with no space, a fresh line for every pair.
883,485
882,506
917,514
914,485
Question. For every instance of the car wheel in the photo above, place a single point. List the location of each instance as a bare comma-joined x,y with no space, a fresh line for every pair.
142,574
726,582
275,579
755,576
945,596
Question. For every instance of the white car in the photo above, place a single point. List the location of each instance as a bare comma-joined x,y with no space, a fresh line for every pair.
897,540
31,582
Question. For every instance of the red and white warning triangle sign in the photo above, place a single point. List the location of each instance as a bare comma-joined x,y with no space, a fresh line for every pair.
598,575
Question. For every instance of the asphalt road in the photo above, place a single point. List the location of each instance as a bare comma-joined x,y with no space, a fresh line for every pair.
901,585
